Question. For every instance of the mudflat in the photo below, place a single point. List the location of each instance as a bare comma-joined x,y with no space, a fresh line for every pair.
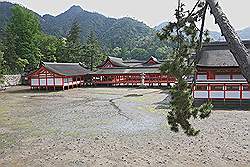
113,127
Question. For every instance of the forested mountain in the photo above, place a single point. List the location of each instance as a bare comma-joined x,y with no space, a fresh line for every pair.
5,14
60,25
109,31
124,37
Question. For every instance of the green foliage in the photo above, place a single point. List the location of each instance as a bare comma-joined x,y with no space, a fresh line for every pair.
50,48
124,33
21,53
183,34
5,14
73,50
1,65
94,54
138,53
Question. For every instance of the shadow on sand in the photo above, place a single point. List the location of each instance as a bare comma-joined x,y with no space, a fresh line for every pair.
21,90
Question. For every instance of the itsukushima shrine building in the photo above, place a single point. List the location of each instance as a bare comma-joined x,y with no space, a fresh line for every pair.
218,76
115,71
58,75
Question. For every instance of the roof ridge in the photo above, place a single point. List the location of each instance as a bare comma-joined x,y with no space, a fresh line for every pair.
61,63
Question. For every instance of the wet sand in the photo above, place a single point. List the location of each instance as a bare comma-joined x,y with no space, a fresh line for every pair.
112,127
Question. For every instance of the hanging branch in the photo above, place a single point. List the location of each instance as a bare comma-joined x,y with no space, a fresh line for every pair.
185,34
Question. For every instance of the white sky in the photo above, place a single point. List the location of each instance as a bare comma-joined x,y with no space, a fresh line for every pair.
151,12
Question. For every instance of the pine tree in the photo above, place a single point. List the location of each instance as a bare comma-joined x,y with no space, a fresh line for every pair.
73,51
94,54
1,65
184,35
21,53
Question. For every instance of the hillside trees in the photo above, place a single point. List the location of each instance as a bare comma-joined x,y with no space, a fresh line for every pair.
139,54
25,46
116,52
89,53
124,33
20,52
1,65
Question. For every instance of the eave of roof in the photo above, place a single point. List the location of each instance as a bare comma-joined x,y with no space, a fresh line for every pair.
117,62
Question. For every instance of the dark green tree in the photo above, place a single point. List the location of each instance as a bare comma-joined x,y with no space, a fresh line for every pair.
2,62
1,65
20,52
184,34
73,50
162,53
50,48
116,52
139,54
94,54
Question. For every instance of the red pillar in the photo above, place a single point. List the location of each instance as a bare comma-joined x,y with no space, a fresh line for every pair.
54,81
39,81
46,81
208,89
224,92
241,92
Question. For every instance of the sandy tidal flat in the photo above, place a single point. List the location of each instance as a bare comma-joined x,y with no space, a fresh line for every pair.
113,127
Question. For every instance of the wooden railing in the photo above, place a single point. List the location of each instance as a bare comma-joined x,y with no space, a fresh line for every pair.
222,91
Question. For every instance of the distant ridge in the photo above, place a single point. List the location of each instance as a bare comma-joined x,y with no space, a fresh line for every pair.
111,32
216,36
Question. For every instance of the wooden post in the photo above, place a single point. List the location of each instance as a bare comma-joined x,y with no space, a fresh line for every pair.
241,93
46,76
68,83
39,84
208,89
54,80
119,80
224,93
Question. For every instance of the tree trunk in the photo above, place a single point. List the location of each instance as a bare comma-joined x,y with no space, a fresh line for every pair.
235,44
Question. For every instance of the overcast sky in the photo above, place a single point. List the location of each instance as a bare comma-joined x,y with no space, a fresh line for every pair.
151,12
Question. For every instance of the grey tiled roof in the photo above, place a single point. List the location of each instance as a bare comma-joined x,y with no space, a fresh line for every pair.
115,61
217,54
127,71
130,67
66,69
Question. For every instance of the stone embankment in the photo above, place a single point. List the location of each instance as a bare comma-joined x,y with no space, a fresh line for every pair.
10,80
